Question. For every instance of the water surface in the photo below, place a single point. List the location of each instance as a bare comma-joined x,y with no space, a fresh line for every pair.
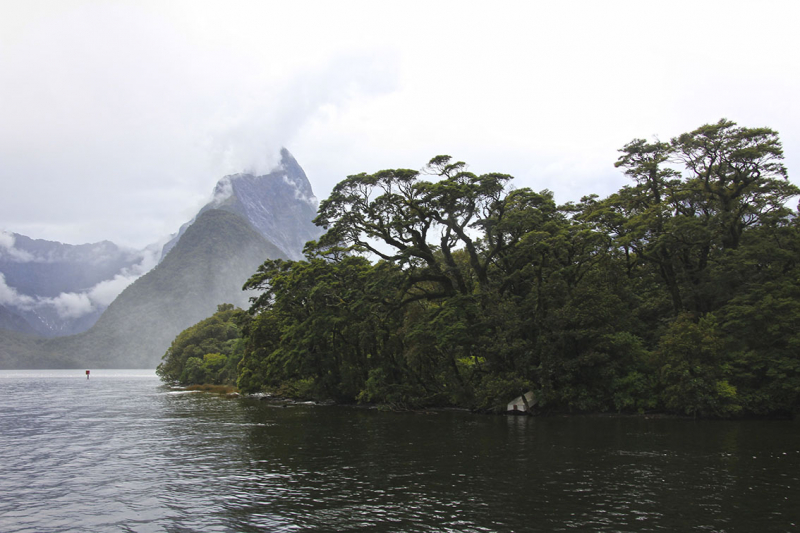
122,452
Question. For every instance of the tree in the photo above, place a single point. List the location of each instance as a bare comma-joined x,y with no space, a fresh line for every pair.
762,318
681,221
677,292
217,335
324,320
695,368
739,174
423,223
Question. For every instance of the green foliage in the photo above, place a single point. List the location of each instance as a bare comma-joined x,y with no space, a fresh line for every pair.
192,371
679,292
762,321
695,368
207,352
381,388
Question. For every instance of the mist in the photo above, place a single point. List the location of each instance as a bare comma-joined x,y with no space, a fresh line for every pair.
72,305
156,130
119,118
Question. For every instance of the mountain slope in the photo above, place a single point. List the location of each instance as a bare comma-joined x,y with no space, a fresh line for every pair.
24,352
9,320
207,267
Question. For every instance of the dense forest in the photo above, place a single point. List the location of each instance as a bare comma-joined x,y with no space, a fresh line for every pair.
678,293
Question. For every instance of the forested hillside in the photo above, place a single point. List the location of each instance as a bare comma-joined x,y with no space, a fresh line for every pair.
679,293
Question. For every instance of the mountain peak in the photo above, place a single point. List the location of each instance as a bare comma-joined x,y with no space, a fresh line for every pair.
279,205
289,170
294,172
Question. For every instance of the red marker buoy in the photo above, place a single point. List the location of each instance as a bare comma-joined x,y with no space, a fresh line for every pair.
87,374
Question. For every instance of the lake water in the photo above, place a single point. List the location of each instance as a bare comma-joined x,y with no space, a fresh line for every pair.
122,452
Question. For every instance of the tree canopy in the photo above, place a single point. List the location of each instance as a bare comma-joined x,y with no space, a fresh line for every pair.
443,287
207,352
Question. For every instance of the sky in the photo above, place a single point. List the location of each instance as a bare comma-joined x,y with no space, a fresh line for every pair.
117,118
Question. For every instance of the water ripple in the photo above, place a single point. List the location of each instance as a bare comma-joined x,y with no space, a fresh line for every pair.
121,452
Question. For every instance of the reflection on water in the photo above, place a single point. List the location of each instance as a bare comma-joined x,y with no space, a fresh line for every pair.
121,452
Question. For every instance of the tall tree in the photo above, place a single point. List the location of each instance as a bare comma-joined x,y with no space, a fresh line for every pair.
681,219
419,224
738,172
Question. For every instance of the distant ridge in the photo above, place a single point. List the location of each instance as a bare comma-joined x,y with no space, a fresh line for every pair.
51,282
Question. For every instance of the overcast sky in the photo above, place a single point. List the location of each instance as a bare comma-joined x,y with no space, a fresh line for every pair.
117,118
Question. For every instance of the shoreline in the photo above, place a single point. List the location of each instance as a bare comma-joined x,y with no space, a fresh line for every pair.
284,401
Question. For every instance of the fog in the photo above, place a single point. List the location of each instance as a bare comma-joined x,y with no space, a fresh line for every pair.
120,117
72,304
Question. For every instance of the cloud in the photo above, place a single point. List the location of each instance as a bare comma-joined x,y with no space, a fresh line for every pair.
71,304
298,194
106,291
222,191
10,296
7,241
109,135
247,135
76,304
141,129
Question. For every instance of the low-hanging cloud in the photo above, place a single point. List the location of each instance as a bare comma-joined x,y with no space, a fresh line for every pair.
7,248
106,291
299,195
10,296
222,191
249,137
71,305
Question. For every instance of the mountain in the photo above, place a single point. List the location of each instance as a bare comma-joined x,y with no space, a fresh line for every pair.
279,205
205,265
61,289
12,321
